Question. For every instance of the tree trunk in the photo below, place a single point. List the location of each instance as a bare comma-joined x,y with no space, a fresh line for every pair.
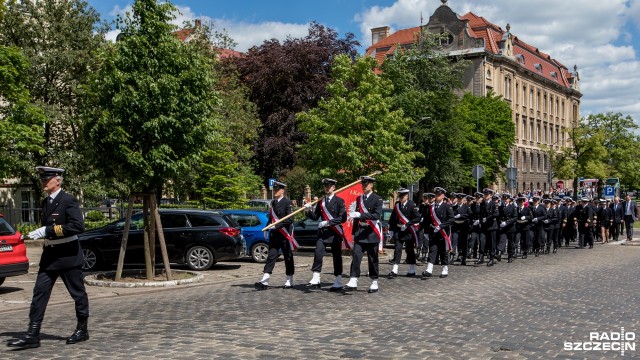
163,246
147,255
125,237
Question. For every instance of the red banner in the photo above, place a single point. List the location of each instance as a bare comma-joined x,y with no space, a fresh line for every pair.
349,195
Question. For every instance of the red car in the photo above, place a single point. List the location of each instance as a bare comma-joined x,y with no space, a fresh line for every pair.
13,252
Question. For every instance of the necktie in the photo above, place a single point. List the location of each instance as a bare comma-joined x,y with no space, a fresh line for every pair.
366,197
50,199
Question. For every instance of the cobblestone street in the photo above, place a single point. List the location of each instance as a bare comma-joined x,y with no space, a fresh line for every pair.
526,309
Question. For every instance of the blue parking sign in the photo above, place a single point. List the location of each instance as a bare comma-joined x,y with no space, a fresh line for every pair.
271,181
609,191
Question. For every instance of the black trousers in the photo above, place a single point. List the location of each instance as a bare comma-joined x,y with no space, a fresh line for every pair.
567,233
336,253
372,257
512,244
72,279
548,233
409,246
628,222
503,239
538,237
460,238
523,237
438,248
488,242
614,230
275,245
586,236
474,240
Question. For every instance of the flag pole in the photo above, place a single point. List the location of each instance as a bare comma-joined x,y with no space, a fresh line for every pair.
315,202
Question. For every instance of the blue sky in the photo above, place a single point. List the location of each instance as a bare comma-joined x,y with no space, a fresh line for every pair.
601,37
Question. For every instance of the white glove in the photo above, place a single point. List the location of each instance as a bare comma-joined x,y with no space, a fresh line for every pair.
457,216
37,233
436,229
476,222
266,234
354,215
323,224
390,233
503,224
535,220
484,220
521,217
308,206
545,221
403,227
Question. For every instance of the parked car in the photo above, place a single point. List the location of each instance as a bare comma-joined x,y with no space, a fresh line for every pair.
261,204
197,238
13,252
386,215
252,222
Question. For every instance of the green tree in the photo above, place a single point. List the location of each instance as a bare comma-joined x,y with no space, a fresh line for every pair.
152,109
21,122
220,185
490,135
60,39
425,82
355,131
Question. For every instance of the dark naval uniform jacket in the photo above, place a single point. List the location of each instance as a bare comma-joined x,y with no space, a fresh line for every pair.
63,221
489,212
282,208
362,232
410,211
523,224
336,208
444,212
508,215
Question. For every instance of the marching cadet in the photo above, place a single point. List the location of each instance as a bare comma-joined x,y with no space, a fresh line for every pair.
548,225
367,234
538,215
280,238
475,227
585,224
569,230
508,217
439,220
605,220
563,209
332,212
427,198
555,228
523,236
460,230
61,258
488,215
403,218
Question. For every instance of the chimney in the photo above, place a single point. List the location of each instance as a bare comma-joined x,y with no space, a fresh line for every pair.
379,33
198,23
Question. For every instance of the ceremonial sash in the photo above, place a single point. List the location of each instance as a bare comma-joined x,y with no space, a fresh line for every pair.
374,224
326,215
292,242
404,220
437,221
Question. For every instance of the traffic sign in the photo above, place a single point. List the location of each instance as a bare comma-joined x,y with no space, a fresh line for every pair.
609,191
477,172
271,181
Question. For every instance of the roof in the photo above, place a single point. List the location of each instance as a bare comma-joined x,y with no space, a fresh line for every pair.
185,34
531,58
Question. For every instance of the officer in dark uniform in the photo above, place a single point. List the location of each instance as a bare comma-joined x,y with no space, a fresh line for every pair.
523,219
556,220
460,231
548,225
488,215
617,214
569,221
280,238
538,215
61,257
332,213
404,216
367,234
475,226
423,247
508,217
563,209
439,220
585,224
605,220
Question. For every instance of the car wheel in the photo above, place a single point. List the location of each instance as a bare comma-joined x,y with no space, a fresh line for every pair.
2,280
199,258
91,259
259,252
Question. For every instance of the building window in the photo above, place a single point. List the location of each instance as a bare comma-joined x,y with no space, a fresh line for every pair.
531,103
538,132
557,134
544,134
531,129
545,103
557,106
517,125
563,109
524,128
446,38
524,95
531,163
517,93
539,102
544,163
489,74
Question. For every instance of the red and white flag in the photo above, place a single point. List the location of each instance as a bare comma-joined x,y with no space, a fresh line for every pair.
349,195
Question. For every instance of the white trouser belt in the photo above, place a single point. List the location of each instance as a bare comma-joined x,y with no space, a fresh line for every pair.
51,242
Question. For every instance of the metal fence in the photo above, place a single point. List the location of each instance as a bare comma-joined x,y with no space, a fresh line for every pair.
20,215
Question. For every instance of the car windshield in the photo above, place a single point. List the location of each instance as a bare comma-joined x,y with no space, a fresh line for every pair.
386,215
5,228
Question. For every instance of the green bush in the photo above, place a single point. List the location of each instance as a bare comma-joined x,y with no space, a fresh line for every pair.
25,228
94,215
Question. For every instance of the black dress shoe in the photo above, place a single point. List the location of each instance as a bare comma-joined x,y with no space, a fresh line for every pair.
590,246
349,288
260,286
29,341
463,262
490,263
371,291
392,275
510,260
287,286
335,288
524,256
411,274
426,274
313,286
499,256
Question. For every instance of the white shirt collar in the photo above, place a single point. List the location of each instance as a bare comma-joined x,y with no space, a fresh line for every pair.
55,193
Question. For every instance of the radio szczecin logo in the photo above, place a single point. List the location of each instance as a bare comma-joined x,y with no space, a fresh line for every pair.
605,341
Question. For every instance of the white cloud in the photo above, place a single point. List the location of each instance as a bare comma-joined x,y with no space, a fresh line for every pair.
589,33
243,33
